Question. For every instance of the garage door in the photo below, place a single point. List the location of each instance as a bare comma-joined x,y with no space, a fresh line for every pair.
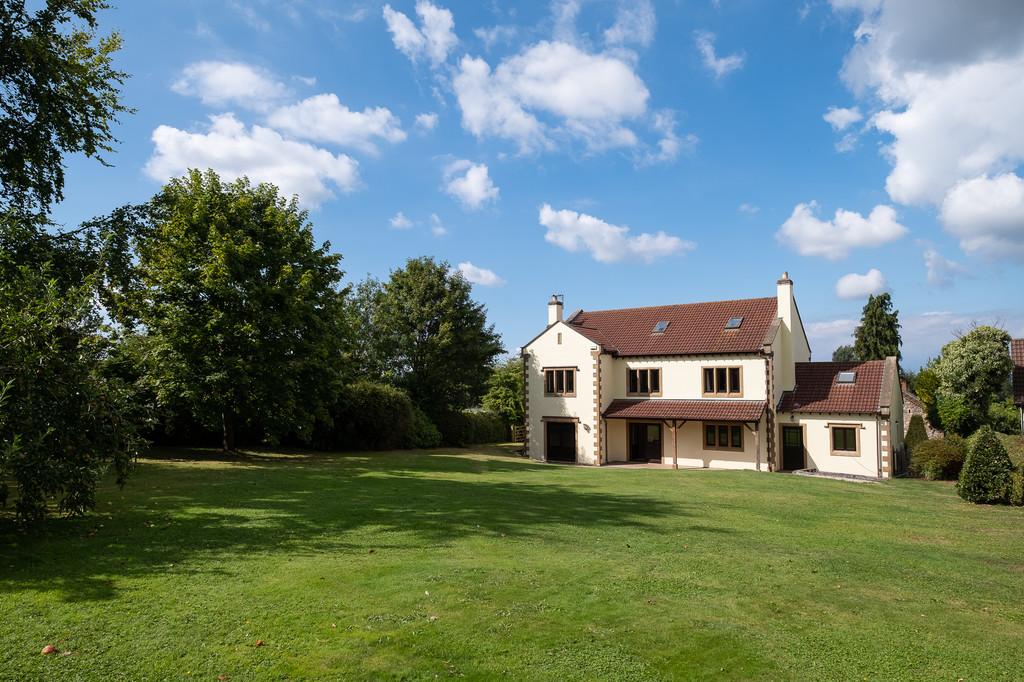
561,441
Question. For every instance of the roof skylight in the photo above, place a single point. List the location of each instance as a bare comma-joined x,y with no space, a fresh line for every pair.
846,378
660,327
734,323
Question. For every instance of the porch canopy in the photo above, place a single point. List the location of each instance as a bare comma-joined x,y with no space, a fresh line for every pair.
687,410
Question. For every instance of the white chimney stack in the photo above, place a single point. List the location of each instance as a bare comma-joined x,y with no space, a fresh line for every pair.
555,307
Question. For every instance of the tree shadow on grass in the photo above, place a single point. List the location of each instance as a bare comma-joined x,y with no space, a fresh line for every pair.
186,506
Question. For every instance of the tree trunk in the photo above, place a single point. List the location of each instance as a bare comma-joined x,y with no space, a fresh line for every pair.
228,424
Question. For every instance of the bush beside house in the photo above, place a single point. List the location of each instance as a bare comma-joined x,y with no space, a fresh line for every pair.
916,433
938,460
985,477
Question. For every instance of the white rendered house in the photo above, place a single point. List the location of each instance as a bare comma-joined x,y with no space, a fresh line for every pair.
723,384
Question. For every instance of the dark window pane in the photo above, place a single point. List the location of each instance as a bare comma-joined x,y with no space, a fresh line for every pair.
734,380
737,436
844,439
644,384
570,381
549,381
655,381
709,435
723,436
709,380
633,382
559,381
720,382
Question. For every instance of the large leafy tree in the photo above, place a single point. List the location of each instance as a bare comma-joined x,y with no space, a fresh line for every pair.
505,391
242,310
431,337
972,372
844,354
59,94
878,334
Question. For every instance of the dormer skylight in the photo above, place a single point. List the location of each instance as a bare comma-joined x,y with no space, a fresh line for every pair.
846,378
660,327
734,323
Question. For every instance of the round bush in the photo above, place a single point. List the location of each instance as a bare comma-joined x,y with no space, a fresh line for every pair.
937,460
985,478
422,432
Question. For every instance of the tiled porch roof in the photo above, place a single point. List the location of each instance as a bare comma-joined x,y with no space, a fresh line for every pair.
695,410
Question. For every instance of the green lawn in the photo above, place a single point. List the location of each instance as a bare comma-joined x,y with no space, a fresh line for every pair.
480,564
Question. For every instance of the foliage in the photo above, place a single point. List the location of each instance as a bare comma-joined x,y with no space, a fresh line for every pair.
371,416
1016,496
916,433
64,422
422,432
937,460
430,337
241,308
59,95
1015,448
878,334
844,354
985,477
972,370
505,392
469,427
1004,416
925,386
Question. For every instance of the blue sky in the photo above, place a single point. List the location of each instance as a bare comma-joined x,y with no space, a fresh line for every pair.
621,154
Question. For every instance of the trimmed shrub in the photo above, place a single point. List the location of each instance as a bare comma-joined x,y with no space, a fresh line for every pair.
471,426
985,477
1017,489
371,416
422,432
938,460
916,433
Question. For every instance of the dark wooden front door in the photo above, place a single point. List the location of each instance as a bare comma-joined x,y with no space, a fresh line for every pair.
792,448
561,441
644,442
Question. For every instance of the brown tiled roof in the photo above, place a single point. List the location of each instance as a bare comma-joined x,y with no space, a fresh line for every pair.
1017,353
697,410
817,391
694,328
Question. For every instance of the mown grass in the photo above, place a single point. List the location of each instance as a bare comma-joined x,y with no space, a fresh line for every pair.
480,564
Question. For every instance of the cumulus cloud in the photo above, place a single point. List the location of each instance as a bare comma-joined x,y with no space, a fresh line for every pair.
605,242
495,35
719,67
948,83
433,39
987,214
400,222
220,84
481,276
941,270
855,285
587,95
670,145
833,239
437,227
323,118
634,23
470,183
260,153
426,121
840,119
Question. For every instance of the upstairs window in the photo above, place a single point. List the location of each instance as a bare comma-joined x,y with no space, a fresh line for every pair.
719,381
644,382
560,381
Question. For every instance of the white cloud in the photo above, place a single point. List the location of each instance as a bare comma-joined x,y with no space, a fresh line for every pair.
323,118
635,22
854,285
495,35
947,81
833,239
400,222
470,183
749,209
259,153
607,243
434,38
437,228
987,214
220,84
426,121
588,95
841,118
718,66
670,145
941,270
481,276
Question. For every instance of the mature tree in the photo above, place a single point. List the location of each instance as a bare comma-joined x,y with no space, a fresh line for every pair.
63,421
844,354
972,371
59,94
432,337
505,391
241,309
878,334
925,386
